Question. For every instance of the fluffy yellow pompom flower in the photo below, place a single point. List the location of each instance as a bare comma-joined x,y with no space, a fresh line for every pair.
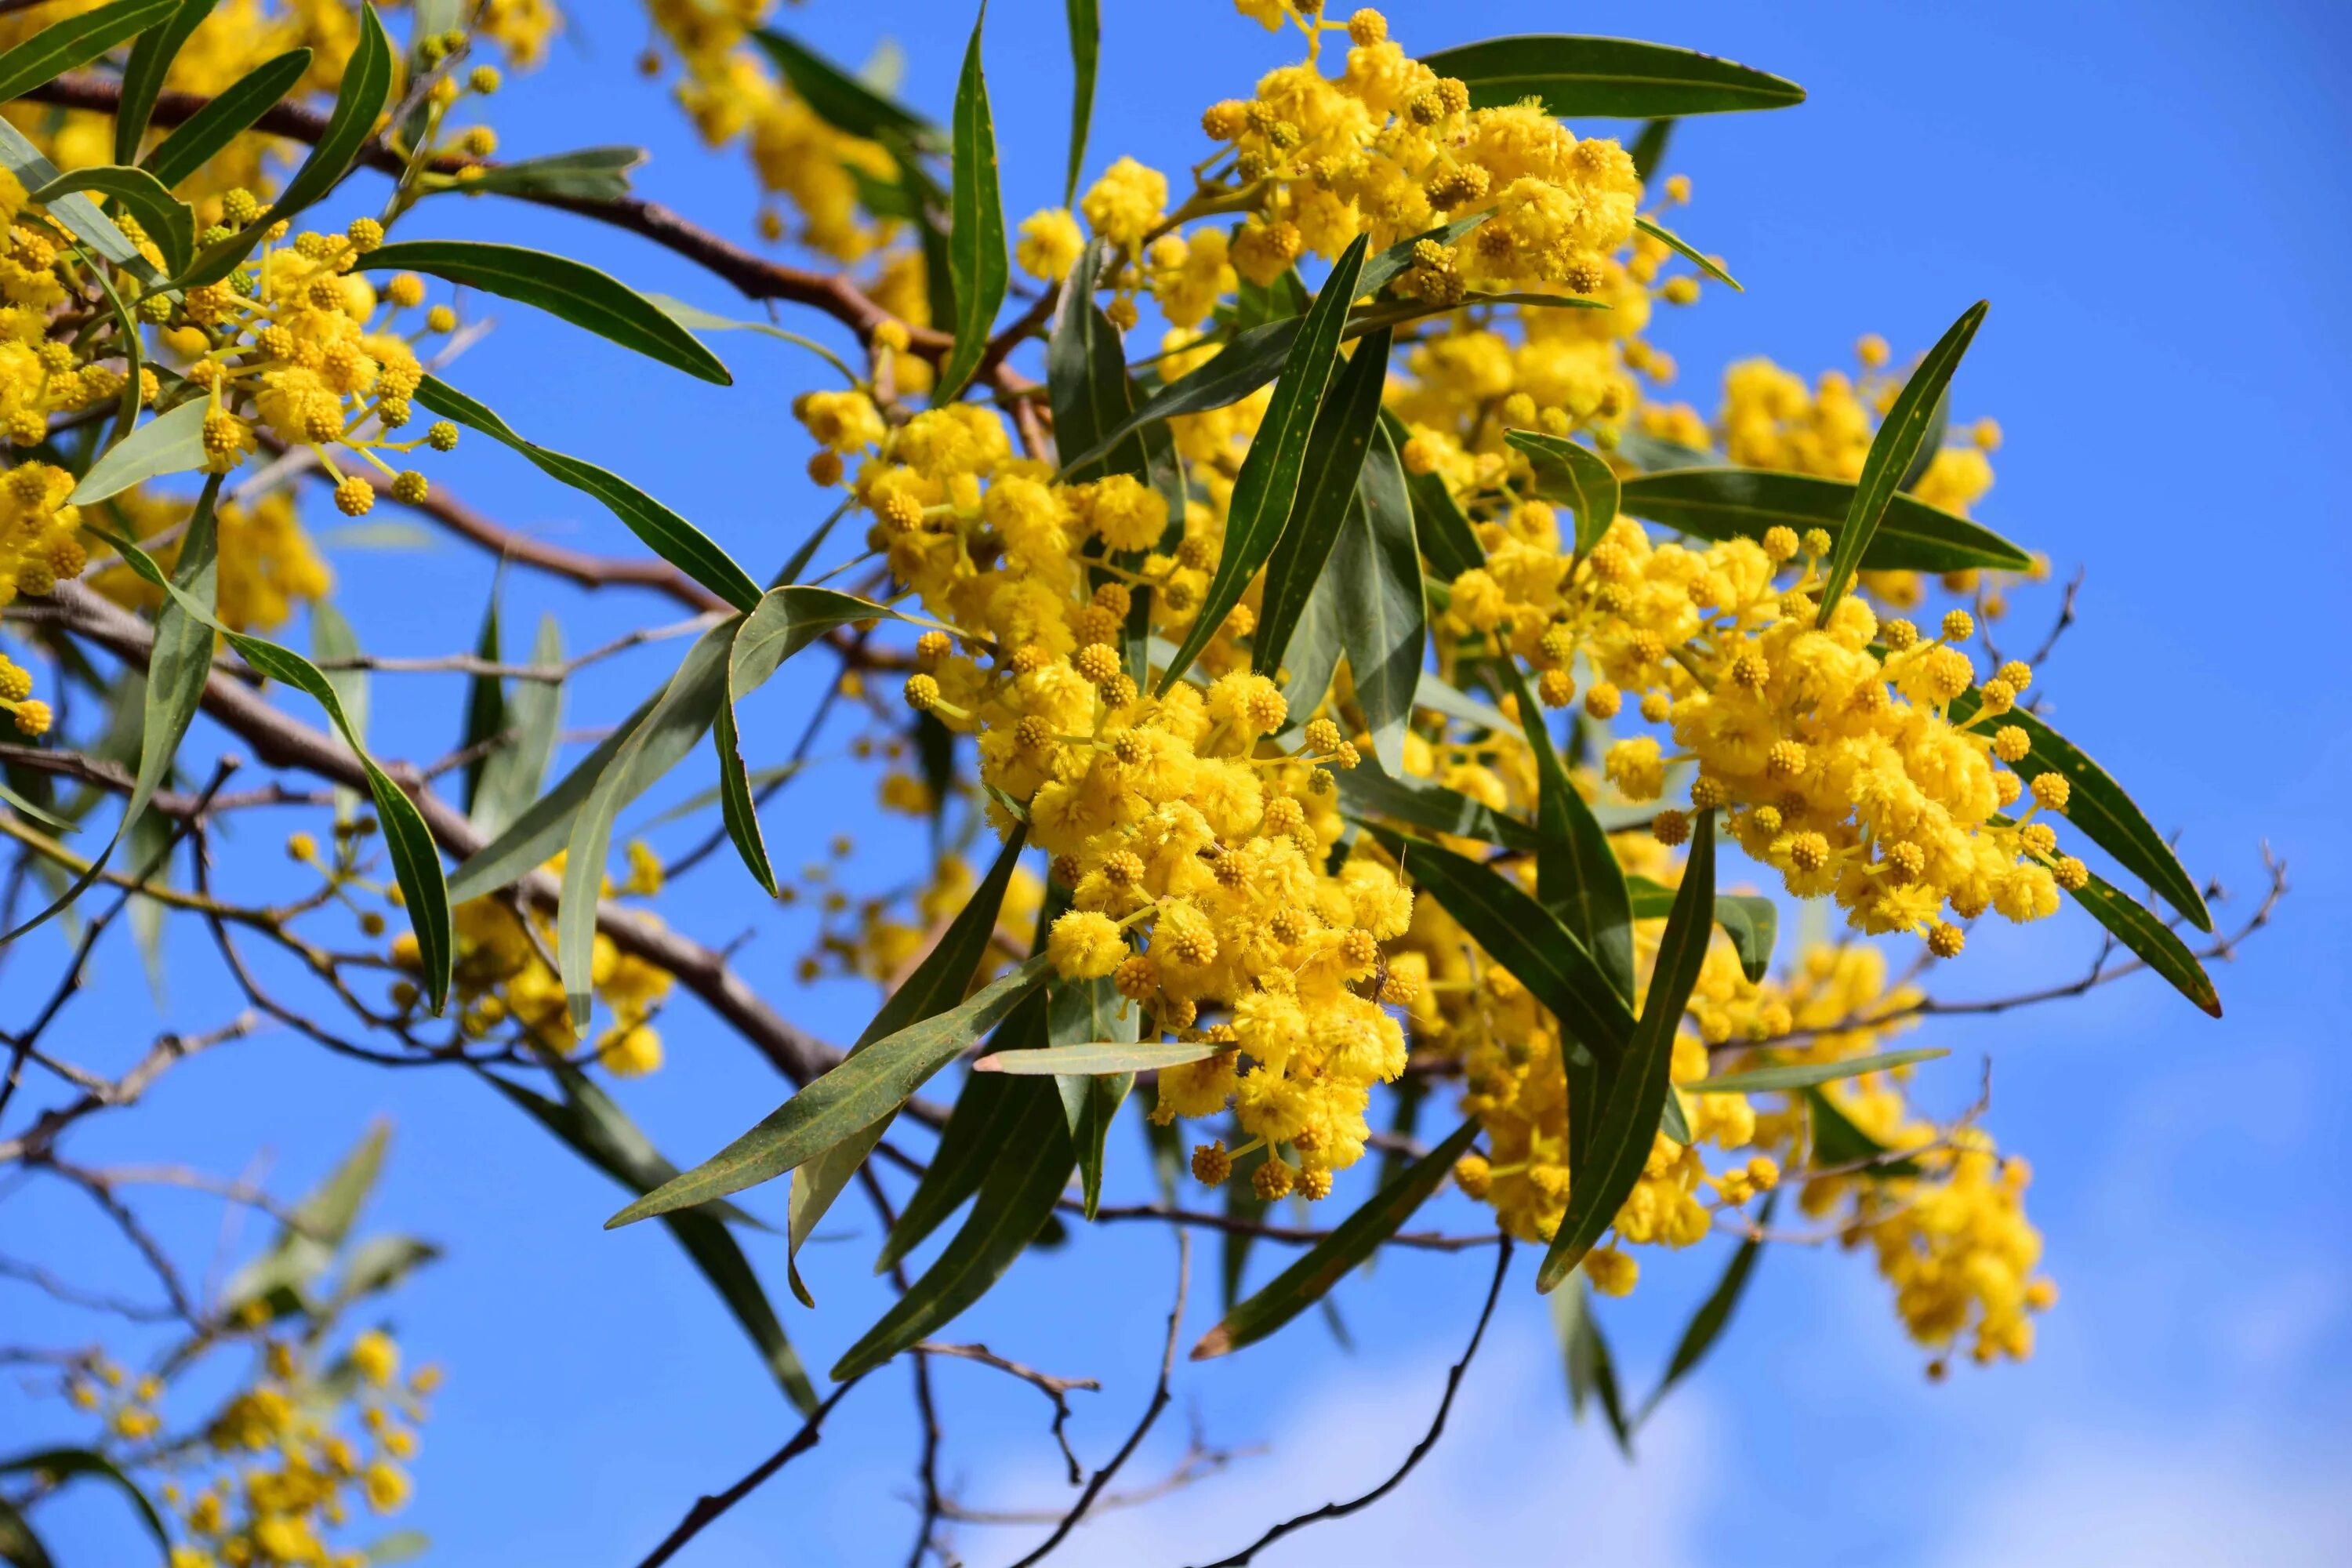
1083,945
1049,245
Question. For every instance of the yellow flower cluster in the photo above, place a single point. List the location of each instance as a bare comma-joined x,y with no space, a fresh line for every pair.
268,564
505,982
286,1463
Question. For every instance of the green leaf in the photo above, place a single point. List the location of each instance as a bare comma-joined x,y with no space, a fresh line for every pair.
1525,938
126,406
1939,419
1086,43
1687,251
485,703
1578,877
1751,922
1096,1056
1268,482
19,1546
922,1026
1649,149
2098,805
168,222
1608,78
1375,577
171,443
301,1251
1016,1197
75,41
1575,476
1322,496
1315,647
590,175
1891,452
80,217
665,533
1838,1141
77,1464
1708,1324
840,100
788,619
1089,1014
1805,1075
142,74
27,808
2139,930
225,118
578,293
1368,791
1741,503
533,711
398,1546
1653,455
977,261
600,1132
980,1128
331,637
544,825
695,320
1591,1371
736,807
685,708
1323,1265
1445,535
1634,1094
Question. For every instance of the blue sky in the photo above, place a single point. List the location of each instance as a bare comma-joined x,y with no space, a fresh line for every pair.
2154,198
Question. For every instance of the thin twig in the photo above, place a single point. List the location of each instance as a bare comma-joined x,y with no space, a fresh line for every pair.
711,1506
1056,1389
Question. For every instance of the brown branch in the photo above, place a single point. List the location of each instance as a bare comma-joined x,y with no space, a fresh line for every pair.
709,1507
1420,1450
1297,1236
1056,1389
1160,1397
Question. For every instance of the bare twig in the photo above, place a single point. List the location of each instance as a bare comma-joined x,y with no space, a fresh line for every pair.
1297,1235
709,1507
1056,1389
1420,1450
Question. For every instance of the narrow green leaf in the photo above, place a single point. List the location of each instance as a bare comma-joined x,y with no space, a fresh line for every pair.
1446,534
301,1251
687,707
142,74
1089,1014
1356,1237
919,1029
168,221
1375,577
1608,78
1634,1098
397,1546
1016,1197
694,319
1741,503
171,443
77,1464
126,405
1752,922
1891,451
1096,1056
1649,149
588,1123
1687,251
1578,877
1086,43
486,704
19,1546
1525,938
80,217
1805,1075
1653,455
839,98
590,175
2139,930
1267,484
1706,1324
533,713
578,293
735,804
1368,791
543,825
75,41
1316,646
1939,419
980,1128
1577,477
226,117
331,637
665,533
977,260
1326,489
2098,805
1838,1141
1584,1353
787,619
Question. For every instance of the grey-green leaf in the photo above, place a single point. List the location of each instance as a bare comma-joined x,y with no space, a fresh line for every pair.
977,261
75,41
225,118
1706,1324
1806,1075
171,443
1752,922
1096,1056
839,98
1577,477
1687,251
1085,44
167,220
668,535
1578,877
1368,791
142,74
1325,489
1742,503
1899,436
588,174
1608,79
1267,484
1356,1239
1383,620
